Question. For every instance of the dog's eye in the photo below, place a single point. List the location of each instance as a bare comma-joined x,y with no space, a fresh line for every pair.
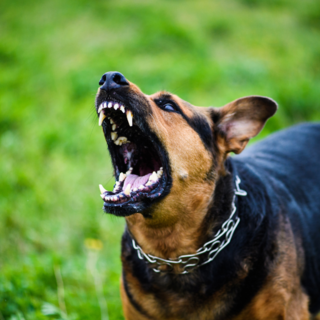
168,107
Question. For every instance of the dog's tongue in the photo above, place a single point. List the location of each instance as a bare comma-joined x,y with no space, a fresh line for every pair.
135,181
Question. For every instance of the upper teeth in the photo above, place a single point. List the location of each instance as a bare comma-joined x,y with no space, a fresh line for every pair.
121,140
129,117
115,106
101,118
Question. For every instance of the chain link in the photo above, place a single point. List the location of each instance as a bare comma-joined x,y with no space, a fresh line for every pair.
189,262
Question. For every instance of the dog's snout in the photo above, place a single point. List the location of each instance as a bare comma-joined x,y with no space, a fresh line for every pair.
113,80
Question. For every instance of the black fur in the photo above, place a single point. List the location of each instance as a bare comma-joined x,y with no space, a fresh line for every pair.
282,178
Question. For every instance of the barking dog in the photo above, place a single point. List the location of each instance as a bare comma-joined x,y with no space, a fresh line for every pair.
210,236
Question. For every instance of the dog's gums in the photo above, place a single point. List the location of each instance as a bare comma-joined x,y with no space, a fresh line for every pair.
138,166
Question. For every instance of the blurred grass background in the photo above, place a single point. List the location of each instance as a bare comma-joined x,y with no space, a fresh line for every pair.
53,154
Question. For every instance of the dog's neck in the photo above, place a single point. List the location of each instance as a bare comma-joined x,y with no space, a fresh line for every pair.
186,231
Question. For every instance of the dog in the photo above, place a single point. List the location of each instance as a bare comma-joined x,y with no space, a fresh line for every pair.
208,235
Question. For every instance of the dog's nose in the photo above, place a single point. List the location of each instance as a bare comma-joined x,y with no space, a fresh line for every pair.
113,80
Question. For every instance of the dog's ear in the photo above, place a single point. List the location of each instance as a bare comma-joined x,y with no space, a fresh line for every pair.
240,120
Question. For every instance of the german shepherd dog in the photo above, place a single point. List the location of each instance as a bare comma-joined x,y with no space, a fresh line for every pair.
210,236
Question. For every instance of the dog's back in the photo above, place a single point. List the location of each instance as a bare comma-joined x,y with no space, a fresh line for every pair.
289,161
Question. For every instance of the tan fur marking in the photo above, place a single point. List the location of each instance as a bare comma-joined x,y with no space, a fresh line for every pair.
190,161
129,311
282,296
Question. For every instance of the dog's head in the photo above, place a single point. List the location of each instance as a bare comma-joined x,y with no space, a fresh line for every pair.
167,154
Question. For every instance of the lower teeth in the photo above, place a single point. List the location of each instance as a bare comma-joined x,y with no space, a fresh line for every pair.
119,194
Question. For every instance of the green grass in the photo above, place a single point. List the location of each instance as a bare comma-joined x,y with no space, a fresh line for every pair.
52,152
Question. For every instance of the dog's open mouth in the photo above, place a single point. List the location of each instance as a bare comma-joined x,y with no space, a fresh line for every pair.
139,161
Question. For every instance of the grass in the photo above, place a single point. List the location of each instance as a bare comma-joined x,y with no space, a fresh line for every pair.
53,155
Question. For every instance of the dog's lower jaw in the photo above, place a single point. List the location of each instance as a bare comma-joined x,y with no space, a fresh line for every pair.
172,229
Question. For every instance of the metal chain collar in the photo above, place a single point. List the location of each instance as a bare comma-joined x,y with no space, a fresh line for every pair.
189,262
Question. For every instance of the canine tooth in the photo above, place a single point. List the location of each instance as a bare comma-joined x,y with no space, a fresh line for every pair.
114,127
141,187
102,196
160,172
101,118
110,105
129,117
153,177
111,121
116,106
135,189
127,191
129,171
122,176
100,107
114,135
102,189
122,109
117,142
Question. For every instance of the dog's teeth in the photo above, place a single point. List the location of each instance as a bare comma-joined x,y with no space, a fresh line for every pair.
127,191
100,107
101,118
141,187
122,109
135,189
111,121
129,117
121,140
129,171
122,176
114,135
114,127
102,189
102,196
160,172
110,104
153,177
116,106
